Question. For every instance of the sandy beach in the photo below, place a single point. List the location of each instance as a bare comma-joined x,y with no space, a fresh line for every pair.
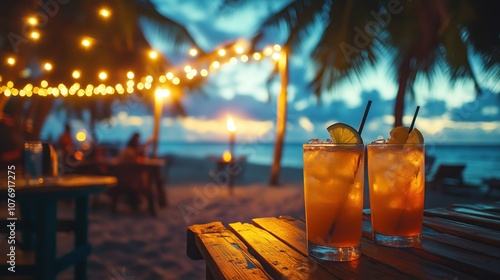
134,245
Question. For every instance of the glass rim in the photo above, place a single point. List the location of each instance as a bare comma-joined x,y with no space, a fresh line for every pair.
332,145
395,144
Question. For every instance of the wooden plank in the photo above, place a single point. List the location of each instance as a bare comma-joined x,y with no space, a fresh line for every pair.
453,252
475,264
462,215
286,229
376,261
471,232
279,260
470,245
292,233
483,207
225,255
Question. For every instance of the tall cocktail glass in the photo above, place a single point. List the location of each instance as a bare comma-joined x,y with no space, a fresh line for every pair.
333,191
396,174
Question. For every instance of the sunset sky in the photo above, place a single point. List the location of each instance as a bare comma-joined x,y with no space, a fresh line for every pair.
448,114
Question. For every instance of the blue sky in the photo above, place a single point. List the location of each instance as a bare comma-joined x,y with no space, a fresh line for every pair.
450,114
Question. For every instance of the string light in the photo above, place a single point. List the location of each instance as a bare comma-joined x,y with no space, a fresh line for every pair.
190,71
76,74
35,35
153,55
47,66
103,75
11,60
86,42
32,21
104,12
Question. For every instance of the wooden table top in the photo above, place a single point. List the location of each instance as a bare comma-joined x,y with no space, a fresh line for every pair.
459,242
66,183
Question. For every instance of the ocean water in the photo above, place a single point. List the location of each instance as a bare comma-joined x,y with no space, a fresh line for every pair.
481,161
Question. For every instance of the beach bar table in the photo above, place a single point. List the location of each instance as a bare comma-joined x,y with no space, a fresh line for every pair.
43,223
153,167
459,242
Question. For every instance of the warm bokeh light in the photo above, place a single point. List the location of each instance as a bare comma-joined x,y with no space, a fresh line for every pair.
86,43
162,93
226,156
47,66
76,74
268,51
11,60
239,49
81,136
103,75
193,52
153,55
222,52
78,155
230,124
32,21
257,56
35,35
130,75
187,68
104,12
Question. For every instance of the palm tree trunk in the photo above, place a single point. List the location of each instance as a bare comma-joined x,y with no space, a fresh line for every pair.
280,120
403,77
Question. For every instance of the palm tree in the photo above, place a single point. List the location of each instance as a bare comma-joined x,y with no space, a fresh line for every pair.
446,36
339,21
422,36
88,36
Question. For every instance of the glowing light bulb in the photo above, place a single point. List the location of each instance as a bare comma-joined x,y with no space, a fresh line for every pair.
11,60
47,66
103,75
193,52
76,74
222,52
104,12
32,21
35,35
130,75
153,55
86,43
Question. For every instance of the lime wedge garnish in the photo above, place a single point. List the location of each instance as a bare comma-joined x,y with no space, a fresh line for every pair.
342,133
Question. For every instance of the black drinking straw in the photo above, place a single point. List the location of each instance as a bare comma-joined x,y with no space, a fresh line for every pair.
362,124
414,118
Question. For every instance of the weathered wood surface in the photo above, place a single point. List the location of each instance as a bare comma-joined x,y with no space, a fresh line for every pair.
453,247
225,255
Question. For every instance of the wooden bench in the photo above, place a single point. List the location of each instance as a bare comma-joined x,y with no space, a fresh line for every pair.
459,242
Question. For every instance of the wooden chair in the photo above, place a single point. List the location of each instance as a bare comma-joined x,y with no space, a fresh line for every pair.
448,178
133,184
448,175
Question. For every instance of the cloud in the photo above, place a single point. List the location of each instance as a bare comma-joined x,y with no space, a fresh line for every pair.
483,108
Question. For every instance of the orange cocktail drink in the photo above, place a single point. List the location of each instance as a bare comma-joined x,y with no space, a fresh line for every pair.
333,191
396,175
